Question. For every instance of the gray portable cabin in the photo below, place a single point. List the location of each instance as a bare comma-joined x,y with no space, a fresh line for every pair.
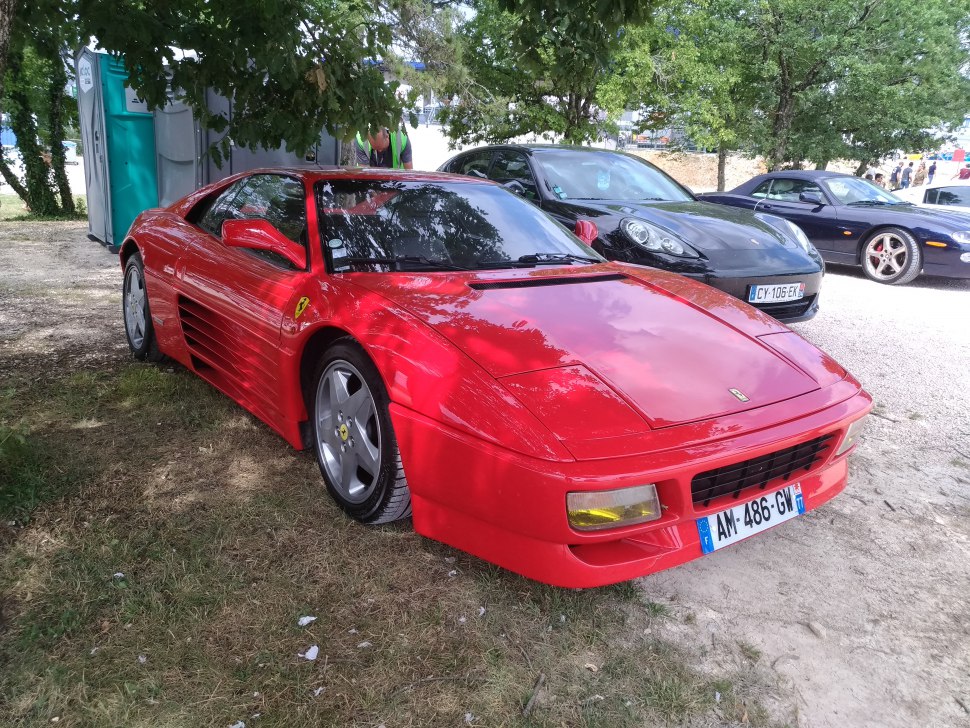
184,163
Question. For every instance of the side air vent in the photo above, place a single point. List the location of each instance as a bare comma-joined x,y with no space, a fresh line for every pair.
537,282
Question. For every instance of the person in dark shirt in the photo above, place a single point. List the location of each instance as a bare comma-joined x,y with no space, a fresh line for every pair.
384,149
930,173
907,176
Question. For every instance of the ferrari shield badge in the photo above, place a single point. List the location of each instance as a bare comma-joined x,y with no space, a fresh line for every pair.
301,306
739,394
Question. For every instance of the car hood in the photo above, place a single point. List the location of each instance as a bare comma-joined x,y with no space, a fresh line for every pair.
704,225
670,360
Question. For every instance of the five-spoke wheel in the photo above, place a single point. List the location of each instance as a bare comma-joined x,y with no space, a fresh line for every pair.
353,437
137,312
891,255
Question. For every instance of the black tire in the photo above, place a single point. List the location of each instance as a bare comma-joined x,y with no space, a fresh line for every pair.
139,329
882,265
345,442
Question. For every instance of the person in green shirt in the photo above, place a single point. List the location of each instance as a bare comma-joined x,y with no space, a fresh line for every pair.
384,148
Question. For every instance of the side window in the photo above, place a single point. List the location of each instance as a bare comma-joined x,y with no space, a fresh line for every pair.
474,164
929,197
788,190
761,190
514,167
215,210
953,196
277,199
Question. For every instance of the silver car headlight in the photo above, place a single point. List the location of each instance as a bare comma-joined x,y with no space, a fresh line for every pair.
961,236
656,239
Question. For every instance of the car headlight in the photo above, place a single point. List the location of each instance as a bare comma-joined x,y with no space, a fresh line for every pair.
851,434
593,510
961,236
656,239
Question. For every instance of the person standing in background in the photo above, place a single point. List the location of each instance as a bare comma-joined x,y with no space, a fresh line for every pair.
894,176
931,173
384,149
907,177
920,176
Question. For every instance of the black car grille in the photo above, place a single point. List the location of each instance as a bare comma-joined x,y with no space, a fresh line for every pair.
787,309
759,472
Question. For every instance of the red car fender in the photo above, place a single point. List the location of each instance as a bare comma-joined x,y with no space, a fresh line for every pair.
421,370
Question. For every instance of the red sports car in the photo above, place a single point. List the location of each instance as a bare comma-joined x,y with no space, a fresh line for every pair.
453,354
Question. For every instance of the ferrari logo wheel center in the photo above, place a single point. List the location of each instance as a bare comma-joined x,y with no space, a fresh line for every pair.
344,433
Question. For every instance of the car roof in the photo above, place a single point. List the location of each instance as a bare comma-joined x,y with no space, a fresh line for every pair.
541,148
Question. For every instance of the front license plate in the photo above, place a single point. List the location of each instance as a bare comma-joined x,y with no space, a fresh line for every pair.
776,293
737,523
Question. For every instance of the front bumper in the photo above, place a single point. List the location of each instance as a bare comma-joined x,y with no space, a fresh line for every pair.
511,510
788,311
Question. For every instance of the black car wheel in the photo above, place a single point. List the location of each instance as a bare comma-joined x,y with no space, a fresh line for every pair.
353,437
891,255
137,312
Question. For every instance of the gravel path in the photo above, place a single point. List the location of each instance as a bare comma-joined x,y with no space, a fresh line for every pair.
862,606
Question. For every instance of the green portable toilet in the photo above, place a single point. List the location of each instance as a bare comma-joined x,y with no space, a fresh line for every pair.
118,133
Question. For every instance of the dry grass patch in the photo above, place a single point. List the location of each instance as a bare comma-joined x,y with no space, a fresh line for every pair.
161,580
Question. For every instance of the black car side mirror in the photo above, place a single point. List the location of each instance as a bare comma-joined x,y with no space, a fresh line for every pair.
515,186
812,197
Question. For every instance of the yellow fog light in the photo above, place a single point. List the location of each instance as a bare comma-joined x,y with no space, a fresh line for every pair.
594,510
850,436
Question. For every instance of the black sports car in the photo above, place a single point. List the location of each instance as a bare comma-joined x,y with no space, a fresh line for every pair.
854,222
641,215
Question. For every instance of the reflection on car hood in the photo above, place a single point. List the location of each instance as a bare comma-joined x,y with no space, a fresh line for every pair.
910,214
704,225
652,347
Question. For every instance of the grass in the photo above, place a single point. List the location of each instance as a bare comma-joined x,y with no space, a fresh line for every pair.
13,209
172,542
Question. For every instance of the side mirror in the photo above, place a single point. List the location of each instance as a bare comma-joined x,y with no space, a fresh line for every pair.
812,197
258,234
586,231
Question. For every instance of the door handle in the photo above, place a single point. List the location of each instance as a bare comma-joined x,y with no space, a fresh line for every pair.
767,207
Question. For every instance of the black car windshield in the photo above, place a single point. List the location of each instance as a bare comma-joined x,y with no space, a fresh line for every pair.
604,175
853,190
385,225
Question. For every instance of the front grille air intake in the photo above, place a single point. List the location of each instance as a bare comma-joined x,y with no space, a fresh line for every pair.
759,472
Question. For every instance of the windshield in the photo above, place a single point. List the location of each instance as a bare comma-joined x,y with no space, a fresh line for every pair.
853,190
384,225
594,175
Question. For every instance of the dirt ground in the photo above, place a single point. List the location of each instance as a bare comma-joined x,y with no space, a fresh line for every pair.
860,609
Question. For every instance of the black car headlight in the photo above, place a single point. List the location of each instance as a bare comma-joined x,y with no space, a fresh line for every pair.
655,239
791,228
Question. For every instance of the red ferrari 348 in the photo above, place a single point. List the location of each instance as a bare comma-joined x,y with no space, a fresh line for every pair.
453,354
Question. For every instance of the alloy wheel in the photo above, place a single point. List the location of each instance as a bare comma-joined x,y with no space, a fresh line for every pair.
348,431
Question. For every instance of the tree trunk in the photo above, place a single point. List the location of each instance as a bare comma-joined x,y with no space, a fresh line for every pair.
40,196
863,166
821,165
8,9
721,167
58,81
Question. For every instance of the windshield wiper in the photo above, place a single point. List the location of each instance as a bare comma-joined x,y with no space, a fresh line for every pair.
553,258
399,259
869,202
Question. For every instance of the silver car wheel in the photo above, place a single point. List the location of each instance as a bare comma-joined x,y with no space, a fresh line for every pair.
134,299
885,257
348,431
